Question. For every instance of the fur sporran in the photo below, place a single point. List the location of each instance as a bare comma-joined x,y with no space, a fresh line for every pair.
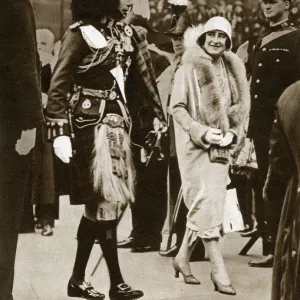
112,168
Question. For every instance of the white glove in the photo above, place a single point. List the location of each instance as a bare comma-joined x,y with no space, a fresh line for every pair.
159,126
227,139
63,148
26,142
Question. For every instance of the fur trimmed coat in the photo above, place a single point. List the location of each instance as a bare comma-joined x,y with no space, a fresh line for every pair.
197,105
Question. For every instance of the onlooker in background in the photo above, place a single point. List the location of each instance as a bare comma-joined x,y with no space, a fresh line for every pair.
45,196
165,84
21,111
284,169
149,209
274,65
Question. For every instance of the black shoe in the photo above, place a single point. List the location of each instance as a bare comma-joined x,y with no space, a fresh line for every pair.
124,292
145,248
84,290
265,262
127,243
47,230
169,253
38,225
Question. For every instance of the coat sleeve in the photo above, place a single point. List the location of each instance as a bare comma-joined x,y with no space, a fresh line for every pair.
73,49
19,65
179,104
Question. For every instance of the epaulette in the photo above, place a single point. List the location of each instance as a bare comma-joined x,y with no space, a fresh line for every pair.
75,25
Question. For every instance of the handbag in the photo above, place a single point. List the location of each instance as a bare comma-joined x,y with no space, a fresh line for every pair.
218,154
232,219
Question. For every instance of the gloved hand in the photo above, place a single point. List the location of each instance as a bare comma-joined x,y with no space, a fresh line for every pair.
63,148
159,126
26,142
213,136
227,139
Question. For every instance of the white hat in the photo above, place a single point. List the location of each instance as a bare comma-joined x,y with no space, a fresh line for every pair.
179,2
218,23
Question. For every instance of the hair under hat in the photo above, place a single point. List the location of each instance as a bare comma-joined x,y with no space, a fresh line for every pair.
217,23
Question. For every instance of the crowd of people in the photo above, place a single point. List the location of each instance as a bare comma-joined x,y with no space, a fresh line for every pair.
246,17
165,130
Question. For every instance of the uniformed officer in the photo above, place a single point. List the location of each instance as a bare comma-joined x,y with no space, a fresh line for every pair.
103,64
274,65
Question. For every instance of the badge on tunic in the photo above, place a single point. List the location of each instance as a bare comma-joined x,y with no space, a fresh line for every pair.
112,95
128,31
86,104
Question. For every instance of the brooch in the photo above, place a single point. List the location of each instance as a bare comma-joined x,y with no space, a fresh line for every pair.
112,95
86,104
128,31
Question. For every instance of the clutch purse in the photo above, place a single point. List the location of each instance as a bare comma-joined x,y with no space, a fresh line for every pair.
218,155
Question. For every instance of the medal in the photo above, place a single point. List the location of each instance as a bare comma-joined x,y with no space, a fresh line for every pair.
128,31
112,95
86,104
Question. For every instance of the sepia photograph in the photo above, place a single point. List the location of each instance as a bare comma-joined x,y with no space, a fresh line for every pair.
150,149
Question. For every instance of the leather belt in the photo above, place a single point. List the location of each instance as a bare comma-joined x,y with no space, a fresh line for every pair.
105,95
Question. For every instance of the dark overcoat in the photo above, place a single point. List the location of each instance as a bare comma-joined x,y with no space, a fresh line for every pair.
20,102
285,169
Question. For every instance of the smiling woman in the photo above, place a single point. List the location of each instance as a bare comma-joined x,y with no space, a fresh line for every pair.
209,102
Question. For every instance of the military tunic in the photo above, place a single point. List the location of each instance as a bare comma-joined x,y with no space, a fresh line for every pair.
88,73
275,66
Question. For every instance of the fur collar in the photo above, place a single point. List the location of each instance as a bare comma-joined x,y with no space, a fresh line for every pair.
217,115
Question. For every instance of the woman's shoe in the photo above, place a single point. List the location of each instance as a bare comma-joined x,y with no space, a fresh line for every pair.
124,292
223,289
47,230
188,279
84,290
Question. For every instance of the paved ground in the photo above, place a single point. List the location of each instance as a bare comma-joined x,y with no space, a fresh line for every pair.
44,265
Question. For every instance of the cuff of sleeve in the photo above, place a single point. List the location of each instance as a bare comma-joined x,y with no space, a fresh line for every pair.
235,133
197,132
57,128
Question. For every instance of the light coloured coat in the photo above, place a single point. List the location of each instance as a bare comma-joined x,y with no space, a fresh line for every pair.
197,105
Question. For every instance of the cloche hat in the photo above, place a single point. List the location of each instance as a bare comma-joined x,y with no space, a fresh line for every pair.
218,23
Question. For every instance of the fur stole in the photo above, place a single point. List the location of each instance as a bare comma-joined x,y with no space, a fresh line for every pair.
211,97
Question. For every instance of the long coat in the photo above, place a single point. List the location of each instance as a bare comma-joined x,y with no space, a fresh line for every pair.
20,103
284,169
197,104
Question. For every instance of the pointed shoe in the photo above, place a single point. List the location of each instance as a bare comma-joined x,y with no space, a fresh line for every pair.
188,279
223,289
84,290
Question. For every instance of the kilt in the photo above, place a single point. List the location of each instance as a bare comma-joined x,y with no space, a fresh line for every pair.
101,170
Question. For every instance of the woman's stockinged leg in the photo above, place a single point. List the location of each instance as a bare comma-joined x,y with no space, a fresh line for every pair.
212,247
184,253
181,261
